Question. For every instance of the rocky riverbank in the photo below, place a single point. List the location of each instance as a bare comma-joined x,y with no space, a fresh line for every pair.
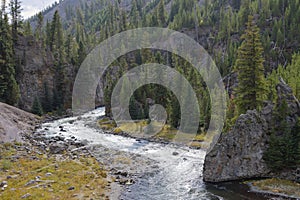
123,168
31,172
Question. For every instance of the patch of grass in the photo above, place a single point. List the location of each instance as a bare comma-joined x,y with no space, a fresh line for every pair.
85,174
6,164
166,132
107,124
135,127
117,130
276,185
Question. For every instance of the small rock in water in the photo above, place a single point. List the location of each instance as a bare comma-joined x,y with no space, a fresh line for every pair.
175,153
129,182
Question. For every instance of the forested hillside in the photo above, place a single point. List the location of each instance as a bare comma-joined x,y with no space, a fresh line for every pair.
254,43
69,30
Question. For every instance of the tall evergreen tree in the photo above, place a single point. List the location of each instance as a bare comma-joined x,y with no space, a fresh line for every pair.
251,90
162,13
9,90
38,31
16,18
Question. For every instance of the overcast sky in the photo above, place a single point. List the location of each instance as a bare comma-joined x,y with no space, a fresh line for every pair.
31,7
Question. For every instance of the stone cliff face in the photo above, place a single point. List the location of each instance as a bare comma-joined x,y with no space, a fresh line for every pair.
238,154
35,69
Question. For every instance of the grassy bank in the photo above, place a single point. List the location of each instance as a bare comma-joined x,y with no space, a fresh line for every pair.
27,173
277,186
164,132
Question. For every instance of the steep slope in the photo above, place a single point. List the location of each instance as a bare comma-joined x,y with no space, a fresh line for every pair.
15,122
67,9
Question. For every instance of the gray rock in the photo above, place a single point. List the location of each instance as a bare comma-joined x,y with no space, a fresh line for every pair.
48,174
3,183
238,154
31,182
71,188
25,196
57,148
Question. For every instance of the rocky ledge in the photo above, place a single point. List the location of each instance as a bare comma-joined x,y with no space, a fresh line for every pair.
238,154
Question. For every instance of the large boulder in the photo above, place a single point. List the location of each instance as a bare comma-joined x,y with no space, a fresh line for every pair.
238,154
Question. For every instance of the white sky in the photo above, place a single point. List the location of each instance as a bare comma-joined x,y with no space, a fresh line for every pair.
31,7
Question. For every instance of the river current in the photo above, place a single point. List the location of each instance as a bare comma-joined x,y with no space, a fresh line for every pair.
178,174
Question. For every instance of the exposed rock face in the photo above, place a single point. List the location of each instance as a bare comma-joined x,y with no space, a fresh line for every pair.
238,154
36,69
14,123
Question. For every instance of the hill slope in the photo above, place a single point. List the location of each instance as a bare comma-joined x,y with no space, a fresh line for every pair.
15,122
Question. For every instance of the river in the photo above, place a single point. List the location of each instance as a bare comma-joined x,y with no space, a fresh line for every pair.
177,173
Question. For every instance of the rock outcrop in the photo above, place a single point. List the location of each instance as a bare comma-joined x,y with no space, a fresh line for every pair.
15,122
36,72
238,154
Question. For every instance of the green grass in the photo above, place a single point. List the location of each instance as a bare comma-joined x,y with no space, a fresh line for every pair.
276,185
85,174
166,132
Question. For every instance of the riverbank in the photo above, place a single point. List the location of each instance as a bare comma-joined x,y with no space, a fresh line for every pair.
274,186
165,136
29,172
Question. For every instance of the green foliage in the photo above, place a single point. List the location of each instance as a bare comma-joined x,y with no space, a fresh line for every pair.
250,92
16,18
47,99
284,145
291,74
37,107
9,89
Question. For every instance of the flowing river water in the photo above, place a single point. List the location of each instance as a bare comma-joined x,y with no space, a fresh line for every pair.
177,173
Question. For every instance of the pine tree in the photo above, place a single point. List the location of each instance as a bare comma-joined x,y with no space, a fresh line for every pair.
58,48
162,13
47,99
16,18
37,107
27,29
284,146
38,31
134,15
250,92
9,89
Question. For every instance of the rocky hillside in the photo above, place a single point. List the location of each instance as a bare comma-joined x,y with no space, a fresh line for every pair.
239,154
36,69
15,122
